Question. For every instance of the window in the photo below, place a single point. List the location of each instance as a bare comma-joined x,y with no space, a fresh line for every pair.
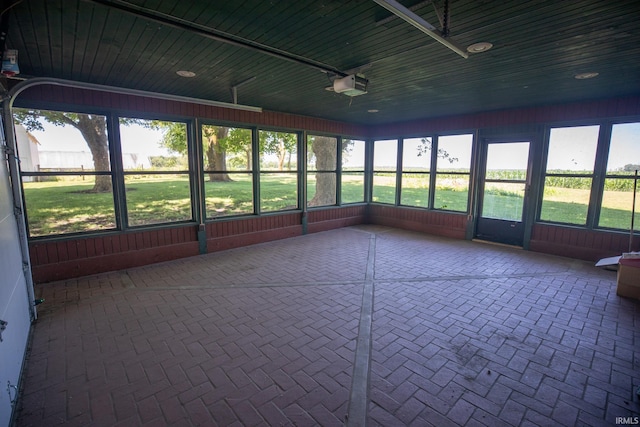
66,171
385,155
453,171
322,160
416,163
156,171
623,161
505,180
569,174
227,167
278,171
352,177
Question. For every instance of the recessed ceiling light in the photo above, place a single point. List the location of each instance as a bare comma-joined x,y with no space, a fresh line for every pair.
373,110
185,73
479,47
589,75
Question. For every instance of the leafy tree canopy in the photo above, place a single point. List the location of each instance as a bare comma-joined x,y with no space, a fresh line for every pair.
174,137
426,144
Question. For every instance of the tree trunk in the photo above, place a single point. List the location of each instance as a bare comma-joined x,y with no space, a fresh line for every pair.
324,149
249,161
217,156
282,154
94,131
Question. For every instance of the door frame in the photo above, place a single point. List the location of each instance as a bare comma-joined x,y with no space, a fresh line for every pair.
529,203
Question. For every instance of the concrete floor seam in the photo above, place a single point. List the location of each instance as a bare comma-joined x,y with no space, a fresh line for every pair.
359,396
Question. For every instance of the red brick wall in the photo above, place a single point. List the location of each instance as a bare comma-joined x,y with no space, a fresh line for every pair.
227,234
75,257
445,224
56,260
573,242
330,218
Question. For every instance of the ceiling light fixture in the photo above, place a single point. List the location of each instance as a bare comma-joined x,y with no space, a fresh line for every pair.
479,47
588,75
403,13
373,110
185,73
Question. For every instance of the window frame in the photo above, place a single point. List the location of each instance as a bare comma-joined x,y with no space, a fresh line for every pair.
361,172
190,172
602,160
299,172
470,174
196,170
335,171
202,172
116,199
597,183
374,171
429,172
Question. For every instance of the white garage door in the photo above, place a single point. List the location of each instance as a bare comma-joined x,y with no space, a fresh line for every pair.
15,318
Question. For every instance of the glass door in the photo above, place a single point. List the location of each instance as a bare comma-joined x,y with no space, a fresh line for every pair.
503,188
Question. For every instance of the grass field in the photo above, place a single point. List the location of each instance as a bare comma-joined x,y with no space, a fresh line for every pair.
61,207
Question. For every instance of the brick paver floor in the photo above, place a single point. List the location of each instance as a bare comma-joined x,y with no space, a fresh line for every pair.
362,325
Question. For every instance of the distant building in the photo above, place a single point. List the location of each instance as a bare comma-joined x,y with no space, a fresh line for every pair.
27,152
33,160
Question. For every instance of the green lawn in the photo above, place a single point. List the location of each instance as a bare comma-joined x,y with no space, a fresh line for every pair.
66,207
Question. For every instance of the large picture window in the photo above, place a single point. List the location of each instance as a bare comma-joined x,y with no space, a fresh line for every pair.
416,165
453,172
66,171
352,172
278,171
156,171
623,161
322,160
569,174
385,158
227,166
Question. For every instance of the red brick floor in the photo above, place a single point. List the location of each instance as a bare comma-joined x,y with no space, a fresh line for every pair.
449,332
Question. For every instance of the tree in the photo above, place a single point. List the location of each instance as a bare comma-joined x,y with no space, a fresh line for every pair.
217,141
425,147
93,129
175,139
631,168
238,140
282,144
324,149
213,141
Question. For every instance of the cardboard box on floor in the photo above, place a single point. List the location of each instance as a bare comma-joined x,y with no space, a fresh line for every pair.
628,277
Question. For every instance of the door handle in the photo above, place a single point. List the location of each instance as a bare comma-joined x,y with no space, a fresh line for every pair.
15,389
3,326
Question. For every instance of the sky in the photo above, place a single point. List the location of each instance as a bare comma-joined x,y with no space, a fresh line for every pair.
137,140
457,147
575,148
625,146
